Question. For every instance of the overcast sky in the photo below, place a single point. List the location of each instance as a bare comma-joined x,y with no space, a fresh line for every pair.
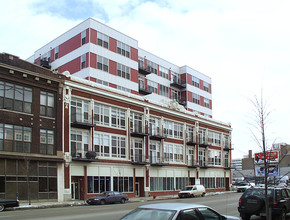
243,45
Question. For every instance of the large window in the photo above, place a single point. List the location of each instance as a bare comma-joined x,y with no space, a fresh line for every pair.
190,156
123,71
15,138
214,138
152,67
14,97
155,152
99,184
214,157
206,86
154,127
123,184
173,152
137,150
103,40
164,91
195,98
161,183
79,110
206,103
190,134
47,107
102,63
110,145
136,122
208,182
109,116
202,139
79,143
47,142
201,157
152,86
195,81
181,182
123,49
163,72
173,129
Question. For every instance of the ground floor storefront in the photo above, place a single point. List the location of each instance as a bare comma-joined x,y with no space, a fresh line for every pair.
84,180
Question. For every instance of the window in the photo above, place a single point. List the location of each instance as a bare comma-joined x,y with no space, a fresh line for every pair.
109,145
154,127
15,138
123,184
123,89
123,71
175,94
190,156
109,116
161,183
46,104
173,152
220,182
208,182
79,143
99,184
152,67
103,63
136,122
118,146
105,83
206,103
155,152
214,138
206,86
152,86
79,110
214,157
181,182
190,134
137,150
226,157
202,136
84,35
195,81
195,98
103,40
83,61
168,128
141,63
123,49
201,157
15,97
164,91
163,72
47,142
208,213
173,129
226,141
56,51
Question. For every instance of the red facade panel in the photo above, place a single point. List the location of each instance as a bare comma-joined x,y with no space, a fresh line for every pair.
189,96
189,79
134,75
112,67
93,60
134,54
70,45
113,85
93,36
113,44
73,66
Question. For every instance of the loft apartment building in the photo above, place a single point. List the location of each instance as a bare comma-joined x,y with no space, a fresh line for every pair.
123,119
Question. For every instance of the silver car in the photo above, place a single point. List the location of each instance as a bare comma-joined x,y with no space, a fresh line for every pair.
175,211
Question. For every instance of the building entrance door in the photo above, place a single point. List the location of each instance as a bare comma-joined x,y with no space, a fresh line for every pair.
137,189
75,190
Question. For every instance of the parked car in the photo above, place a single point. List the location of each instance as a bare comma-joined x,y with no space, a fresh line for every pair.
175,211
192,191
6,203
252,202
242,187
108,197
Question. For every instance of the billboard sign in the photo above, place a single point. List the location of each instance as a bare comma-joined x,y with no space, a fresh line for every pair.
273,170
271,157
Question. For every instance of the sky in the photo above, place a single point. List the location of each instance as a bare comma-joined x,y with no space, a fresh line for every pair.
243,45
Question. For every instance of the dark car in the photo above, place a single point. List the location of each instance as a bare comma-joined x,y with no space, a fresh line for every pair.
6,203
108,197
252,202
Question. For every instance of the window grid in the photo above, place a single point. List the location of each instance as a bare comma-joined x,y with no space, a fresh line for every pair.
102,63
47,142
103,40
123,71
46,104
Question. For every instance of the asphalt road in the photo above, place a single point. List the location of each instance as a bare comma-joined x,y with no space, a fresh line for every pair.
223,203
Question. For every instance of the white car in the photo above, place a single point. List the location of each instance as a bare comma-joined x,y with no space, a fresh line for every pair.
192,191
175,211
242,187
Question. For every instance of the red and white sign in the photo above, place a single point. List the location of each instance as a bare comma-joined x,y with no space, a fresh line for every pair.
271,157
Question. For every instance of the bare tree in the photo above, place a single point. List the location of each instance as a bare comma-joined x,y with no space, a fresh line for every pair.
261,115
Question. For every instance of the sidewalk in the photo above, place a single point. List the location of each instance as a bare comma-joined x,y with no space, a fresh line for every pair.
54,204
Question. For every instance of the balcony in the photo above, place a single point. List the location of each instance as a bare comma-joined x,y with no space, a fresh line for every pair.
90,156
138,159
191,141
154,134
192,164
202,142
44,62
157,161
138,131
144,91
227,147
181,101
81,121
203,164
143,70
178,83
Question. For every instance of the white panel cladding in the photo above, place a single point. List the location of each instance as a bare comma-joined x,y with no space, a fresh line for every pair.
104,171
93,170
140,172
211,173
199,91
170,173
117,80
193,72
113,33
199,108
128,171
160,80
76,170
192,173
101,51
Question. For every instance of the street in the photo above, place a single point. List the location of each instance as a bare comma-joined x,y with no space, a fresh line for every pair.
223,203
